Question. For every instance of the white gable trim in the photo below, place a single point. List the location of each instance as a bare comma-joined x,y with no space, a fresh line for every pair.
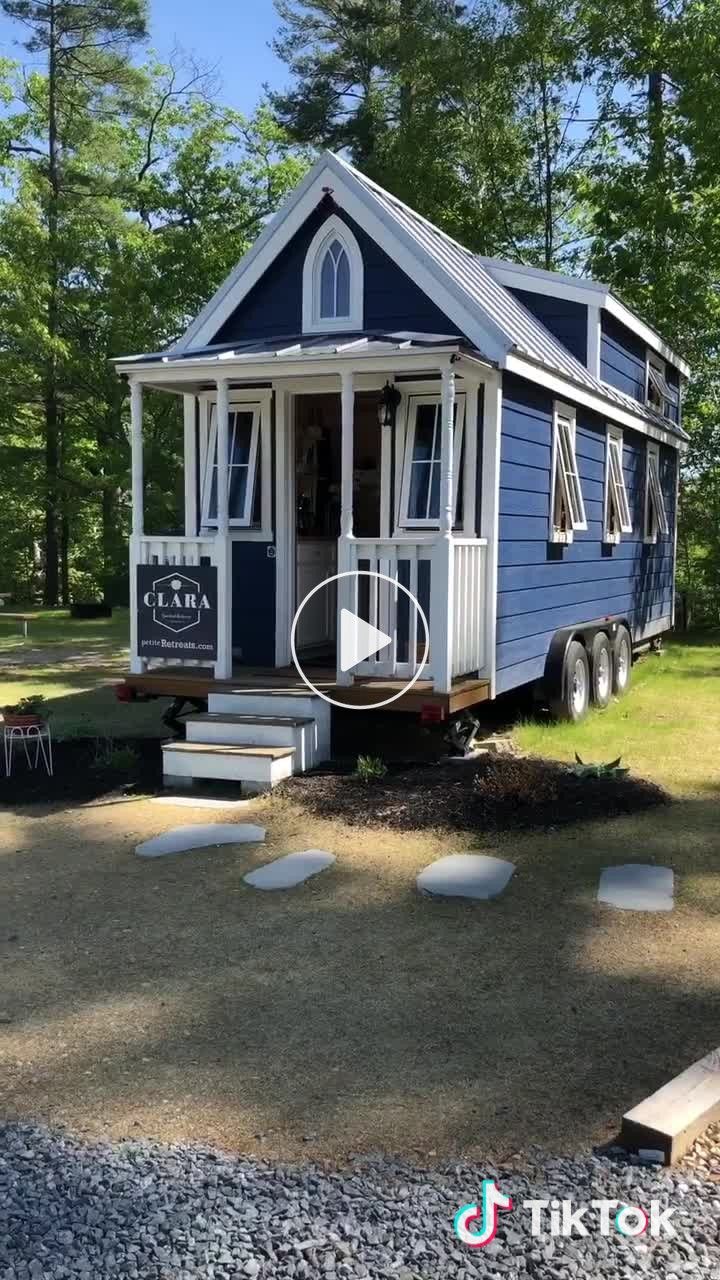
333,228
350,196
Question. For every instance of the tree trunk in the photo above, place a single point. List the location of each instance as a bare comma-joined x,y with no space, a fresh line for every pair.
52,417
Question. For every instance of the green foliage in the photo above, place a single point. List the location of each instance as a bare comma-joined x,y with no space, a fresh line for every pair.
32,705
370,769
112,756
614,769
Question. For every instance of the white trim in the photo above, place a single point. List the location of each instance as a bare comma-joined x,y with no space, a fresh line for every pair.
565,473
472,426
656,377
136,457
284,532
608,409
190,447
654,512
332,229
413,403
591,293
246,519
615,495
490,514
594,335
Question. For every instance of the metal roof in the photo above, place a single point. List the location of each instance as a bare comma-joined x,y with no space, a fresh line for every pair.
290,347
526,335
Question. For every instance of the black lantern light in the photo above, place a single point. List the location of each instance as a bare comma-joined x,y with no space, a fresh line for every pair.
387,405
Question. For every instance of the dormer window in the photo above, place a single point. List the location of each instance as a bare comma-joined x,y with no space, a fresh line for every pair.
660,395
333,280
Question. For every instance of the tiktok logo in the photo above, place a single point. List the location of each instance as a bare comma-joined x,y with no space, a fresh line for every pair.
491,1199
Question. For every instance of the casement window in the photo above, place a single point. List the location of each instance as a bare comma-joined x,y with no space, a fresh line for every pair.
333,280
660,395
567,509
243,458
618,519
655,520
420,491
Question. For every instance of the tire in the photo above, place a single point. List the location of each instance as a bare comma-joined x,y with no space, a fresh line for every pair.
574,698
622,662
601,670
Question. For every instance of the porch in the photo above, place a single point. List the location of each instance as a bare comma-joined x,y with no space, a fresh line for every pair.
279,500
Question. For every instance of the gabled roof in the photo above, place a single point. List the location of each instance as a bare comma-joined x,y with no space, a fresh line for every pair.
465,287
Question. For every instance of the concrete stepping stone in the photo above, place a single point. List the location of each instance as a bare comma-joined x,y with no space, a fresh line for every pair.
201,802
182,839
466,875
290,870
636,886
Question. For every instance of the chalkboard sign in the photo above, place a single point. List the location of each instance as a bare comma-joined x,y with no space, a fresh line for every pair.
177,611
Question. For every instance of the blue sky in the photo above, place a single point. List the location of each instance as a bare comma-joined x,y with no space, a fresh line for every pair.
232,35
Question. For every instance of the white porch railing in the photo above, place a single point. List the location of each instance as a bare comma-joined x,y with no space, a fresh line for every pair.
215,550
469,604
446,577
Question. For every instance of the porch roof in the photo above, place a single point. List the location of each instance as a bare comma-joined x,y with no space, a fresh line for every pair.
306,346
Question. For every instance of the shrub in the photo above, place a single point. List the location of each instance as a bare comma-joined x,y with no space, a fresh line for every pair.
370,769
114,756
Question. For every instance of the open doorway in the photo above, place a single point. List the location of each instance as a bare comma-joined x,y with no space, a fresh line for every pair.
318,503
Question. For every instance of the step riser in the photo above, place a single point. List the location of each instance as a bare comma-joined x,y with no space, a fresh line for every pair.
265,704
256,772
302,737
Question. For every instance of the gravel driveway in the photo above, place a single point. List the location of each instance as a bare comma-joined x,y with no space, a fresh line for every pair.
168,1213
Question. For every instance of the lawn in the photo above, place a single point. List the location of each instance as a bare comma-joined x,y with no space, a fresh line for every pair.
169,999
74,664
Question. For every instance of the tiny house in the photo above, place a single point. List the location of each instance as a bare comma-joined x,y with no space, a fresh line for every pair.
363,395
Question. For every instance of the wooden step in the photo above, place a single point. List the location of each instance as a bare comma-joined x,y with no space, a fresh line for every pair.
252,729
257,768
219,717
670,1120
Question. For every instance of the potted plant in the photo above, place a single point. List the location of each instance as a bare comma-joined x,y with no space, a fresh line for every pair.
26,713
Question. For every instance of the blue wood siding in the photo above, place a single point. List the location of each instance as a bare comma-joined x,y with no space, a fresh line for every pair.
622,357
568,321
274,306
543,587
253,607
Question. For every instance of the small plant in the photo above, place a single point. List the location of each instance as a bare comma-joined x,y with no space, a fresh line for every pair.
370,769
115,756
612,770
34,705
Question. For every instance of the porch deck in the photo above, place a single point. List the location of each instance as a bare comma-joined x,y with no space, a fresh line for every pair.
198,682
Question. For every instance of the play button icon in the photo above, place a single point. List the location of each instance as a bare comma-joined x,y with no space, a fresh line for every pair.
362,657
358,640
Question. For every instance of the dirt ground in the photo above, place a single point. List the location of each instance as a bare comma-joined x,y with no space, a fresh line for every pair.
167,999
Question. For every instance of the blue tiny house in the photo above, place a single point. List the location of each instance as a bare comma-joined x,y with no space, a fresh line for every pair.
364,395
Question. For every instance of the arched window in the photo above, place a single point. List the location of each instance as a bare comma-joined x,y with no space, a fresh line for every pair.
333,280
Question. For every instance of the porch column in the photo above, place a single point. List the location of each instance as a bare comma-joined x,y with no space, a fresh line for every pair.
190,457
223,545
442,603
137,664
136,456
347,587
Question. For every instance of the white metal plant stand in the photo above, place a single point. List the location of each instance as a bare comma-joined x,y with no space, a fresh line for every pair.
37,735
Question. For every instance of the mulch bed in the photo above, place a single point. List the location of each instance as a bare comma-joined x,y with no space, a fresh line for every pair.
84,769
491,793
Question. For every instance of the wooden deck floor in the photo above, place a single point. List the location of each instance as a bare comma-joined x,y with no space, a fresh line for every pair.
198,682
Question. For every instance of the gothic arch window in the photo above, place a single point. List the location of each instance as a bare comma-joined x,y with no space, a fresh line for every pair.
333,280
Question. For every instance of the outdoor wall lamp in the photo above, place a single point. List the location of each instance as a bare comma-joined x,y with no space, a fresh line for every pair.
387,405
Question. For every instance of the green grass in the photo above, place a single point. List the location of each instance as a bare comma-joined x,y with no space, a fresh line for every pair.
74,664
667,728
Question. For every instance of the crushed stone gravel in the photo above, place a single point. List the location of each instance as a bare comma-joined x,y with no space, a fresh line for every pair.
149,1212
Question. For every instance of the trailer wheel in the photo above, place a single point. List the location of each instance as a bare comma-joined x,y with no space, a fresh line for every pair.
574,697
622,661
601,670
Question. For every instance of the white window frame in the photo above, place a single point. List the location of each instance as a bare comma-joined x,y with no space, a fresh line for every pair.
246,520
656,377
655,514
414,402
332,229
570,487
617,505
